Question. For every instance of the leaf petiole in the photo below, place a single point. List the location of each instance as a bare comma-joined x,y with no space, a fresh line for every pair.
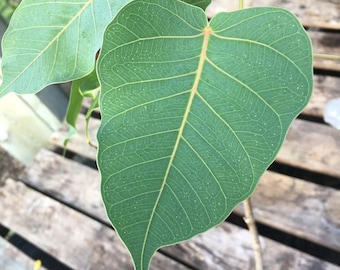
240,4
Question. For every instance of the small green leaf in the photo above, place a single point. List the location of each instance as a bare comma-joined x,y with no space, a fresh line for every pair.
52,41
87,86
7,8
192,114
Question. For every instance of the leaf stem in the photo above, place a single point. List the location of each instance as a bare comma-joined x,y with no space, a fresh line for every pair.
240,4
327,56
250,221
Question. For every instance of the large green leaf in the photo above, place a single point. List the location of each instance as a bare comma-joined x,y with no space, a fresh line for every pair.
52,41
192,114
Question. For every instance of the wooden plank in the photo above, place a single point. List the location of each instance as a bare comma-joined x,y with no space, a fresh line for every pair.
93,246
312,146
12,258
327,66
310,12
229,247
325,42
75,239
67,181
286,203
299,208
9,166
325,89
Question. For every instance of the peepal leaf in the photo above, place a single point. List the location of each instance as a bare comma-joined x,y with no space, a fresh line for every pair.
193,112
53,41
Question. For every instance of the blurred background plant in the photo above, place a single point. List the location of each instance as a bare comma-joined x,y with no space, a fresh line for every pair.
7,8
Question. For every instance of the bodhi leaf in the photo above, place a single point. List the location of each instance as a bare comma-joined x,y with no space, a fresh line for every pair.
193,112
52,41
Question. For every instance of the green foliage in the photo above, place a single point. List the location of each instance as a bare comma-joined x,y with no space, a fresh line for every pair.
7,8
48,42
87,86
193,112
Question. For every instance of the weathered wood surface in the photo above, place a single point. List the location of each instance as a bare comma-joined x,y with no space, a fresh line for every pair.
310,12
73,238
300,208
325,89
312,146
326,43
9,166
283,202
229,247
84,243
13,259
68,181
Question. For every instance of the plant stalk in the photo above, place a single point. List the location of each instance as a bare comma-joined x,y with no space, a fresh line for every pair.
327,56
250,221
240,4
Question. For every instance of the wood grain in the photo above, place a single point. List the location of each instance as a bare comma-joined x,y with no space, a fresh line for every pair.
312,146
229,247
303,209
325,89
75,239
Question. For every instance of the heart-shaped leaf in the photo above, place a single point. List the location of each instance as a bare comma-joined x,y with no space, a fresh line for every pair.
192,114
52,41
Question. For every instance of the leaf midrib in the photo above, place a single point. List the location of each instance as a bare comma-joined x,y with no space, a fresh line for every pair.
77,15
207,31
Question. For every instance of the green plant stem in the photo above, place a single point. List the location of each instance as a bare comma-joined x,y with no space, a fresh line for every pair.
327,56
250,221
240,4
